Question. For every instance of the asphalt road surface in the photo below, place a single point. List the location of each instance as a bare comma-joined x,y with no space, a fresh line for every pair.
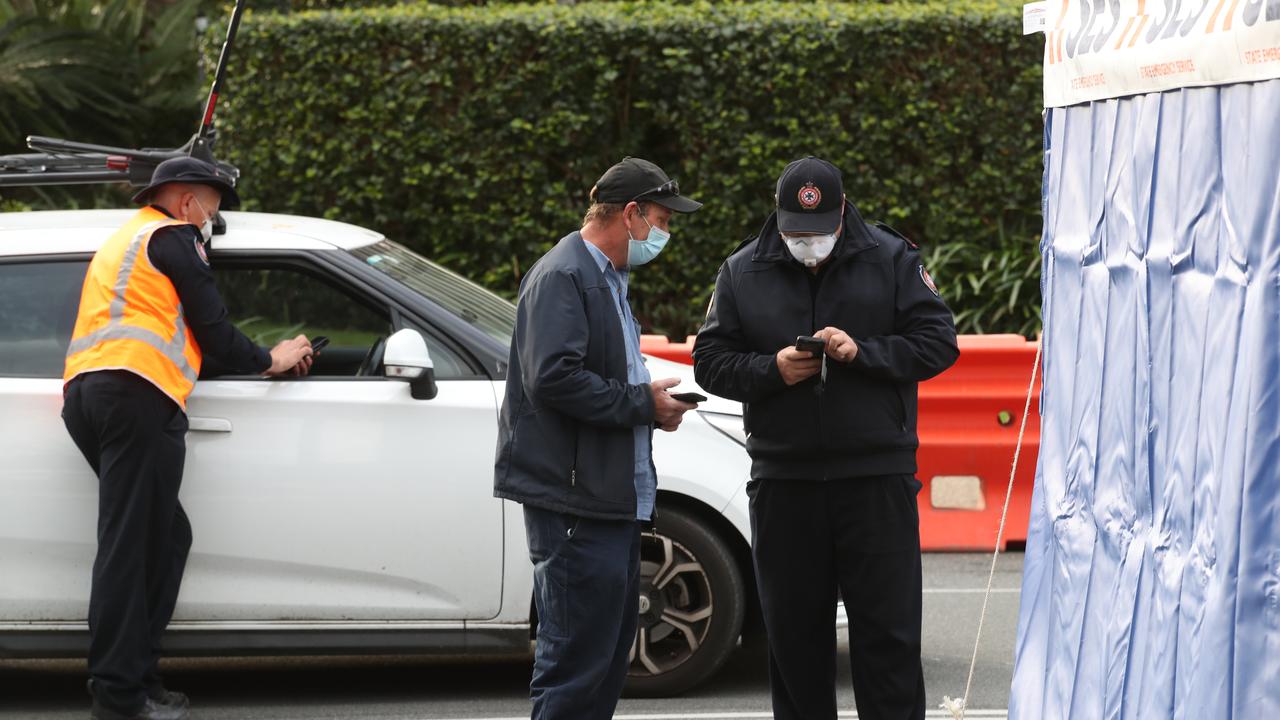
420,688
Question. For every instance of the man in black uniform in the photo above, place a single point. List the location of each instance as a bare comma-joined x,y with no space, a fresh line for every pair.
143,328
832,437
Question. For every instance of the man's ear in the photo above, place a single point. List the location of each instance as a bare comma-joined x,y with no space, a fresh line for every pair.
183,204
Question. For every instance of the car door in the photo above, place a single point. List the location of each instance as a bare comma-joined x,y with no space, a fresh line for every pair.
338,497
48,494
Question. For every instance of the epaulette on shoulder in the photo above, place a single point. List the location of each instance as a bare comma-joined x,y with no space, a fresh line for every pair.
885,227
744,243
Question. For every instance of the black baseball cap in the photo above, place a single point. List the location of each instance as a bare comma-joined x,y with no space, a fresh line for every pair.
641,181
810,197
195,172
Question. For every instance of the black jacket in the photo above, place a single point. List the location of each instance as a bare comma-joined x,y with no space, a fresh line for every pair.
862,420
565,434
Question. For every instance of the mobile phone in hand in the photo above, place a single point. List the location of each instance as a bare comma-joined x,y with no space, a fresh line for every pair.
810,344
318,343
689,397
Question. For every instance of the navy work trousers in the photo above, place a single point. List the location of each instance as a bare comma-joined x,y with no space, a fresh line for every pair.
861,536
134,438
586,587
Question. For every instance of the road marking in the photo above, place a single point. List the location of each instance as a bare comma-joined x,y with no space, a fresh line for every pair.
849,714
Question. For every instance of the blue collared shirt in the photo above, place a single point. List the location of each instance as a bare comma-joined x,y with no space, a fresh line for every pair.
637,374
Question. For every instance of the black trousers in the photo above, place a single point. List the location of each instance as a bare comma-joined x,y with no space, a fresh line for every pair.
586,587
134,437
859,535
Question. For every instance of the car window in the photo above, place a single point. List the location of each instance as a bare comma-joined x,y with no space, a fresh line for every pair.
272,304
38,304
464,299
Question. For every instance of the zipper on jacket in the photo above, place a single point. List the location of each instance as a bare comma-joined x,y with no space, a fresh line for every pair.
821,387
573,469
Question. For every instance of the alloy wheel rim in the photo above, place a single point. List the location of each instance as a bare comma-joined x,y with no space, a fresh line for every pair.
677,606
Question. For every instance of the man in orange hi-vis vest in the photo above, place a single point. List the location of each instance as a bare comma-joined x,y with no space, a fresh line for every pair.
149,316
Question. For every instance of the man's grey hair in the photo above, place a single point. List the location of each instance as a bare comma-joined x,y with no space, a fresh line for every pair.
604,212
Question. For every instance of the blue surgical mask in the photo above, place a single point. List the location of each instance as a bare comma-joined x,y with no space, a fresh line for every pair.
640,252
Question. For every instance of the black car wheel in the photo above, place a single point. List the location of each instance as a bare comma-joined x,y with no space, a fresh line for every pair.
692,601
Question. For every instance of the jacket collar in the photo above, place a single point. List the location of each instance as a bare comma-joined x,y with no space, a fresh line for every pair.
854,239
576,246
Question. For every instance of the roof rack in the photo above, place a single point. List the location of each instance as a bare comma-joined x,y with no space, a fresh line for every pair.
64,162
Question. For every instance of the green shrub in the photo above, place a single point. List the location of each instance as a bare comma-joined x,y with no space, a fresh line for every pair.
474,134
303,5
7,205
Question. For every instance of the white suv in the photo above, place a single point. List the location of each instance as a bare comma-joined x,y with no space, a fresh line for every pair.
337,513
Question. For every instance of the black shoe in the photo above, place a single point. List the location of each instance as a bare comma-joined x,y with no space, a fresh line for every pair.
151,710
170,698
154,708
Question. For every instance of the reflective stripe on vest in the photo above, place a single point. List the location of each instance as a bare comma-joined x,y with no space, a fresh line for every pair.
173,351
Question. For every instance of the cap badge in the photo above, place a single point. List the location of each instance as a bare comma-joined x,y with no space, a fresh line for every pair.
809,196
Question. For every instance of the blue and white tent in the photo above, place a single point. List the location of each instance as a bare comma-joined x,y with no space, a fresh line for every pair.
1152,576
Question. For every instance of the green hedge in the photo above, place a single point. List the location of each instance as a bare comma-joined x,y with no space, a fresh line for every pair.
474,134
301,5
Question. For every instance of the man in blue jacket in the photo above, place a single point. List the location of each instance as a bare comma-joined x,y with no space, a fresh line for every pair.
832,437
575,436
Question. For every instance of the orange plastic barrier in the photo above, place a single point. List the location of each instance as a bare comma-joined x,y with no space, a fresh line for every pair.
660,346
969,418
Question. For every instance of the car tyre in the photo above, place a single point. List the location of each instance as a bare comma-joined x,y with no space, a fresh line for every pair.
692,603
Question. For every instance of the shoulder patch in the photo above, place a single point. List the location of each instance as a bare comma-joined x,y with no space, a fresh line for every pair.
927,279
885,227
200,251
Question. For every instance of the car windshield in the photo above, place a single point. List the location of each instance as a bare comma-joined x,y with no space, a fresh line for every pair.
461,297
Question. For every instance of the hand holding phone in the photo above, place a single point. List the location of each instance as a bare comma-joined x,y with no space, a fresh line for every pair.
796,364
668,410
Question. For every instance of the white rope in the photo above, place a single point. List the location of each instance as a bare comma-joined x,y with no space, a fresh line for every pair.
957,706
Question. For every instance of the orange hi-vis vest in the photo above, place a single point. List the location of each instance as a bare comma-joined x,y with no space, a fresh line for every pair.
130,316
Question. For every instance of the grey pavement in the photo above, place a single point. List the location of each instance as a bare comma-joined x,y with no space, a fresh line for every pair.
433,688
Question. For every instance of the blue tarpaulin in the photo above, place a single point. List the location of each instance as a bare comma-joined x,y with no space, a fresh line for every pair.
1152,572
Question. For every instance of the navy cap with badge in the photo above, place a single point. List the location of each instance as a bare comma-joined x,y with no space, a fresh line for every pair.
193,171
639,180
810,197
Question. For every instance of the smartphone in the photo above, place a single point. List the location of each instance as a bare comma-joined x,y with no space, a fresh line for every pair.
808,343
689,397
318,343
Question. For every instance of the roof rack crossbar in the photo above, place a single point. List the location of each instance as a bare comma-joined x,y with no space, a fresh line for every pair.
54,145
88,177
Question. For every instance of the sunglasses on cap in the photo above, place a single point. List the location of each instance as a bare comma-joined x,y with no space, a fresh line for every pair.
670,187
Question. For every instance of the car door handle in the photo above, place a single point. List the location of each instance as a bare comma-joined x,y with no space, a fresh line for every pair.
209,424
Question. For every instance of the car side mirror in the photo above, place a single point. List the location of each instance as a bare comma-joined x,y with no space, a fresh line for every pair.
405,357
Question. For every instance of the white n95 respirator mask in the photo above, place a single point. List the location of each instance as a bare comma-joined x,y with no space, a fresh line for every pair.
810,250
